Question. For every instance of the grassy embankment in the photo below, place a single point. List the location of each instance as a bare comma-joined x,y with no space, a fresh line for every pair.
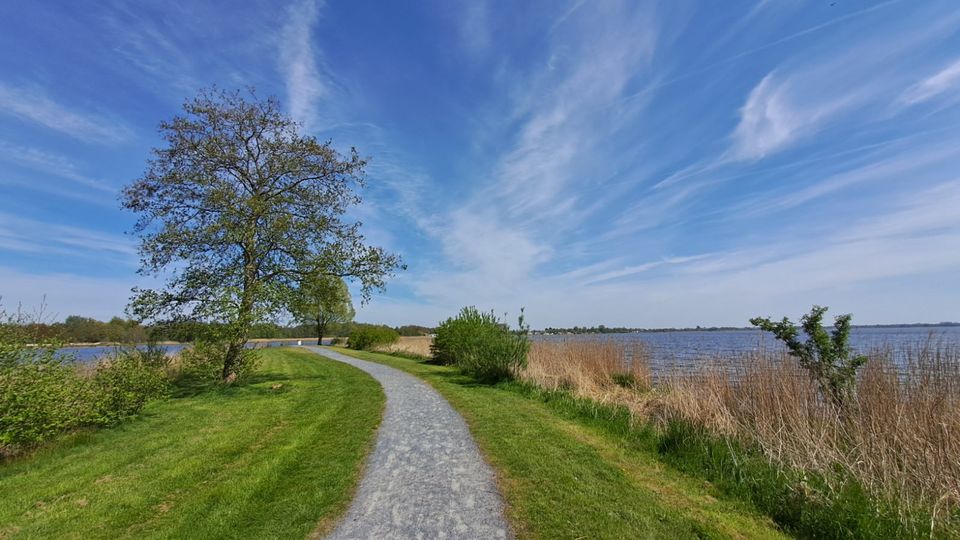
566,474
757,428
254,461
883,465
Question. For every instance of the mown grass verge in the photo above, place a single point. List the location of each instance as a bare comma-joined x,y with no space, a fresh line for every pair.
276,458
567,472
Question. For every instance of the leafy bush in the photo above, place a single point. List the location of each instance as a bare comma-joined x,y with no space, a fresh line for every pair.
481,345
40,397
203,362
365,338
826,356
43,393
40,393
125,383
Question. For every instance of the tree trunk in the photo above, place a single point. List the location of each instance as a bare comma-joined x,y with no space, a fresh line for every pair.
321,329
241,327
232,359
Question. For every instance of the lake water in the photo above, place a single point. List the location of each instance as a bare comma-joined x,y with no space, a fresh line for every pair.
684,348
679,348
88,354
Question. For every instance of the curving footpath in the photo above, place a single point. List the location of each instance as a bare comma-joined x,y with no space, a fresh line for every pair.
425,477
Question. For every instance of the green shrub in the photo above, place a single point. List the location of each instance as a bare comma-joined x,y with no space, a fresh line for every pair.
203,362
126,382
365,338
825,355
41,396
481,345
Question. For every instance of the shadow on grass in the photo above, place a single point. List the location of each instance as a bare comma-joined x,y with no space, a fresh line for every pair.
451,375
465,381
191,386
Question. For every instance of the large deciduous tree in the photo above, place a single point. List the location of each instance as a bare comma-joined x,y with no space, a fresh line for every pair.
321,300
236,207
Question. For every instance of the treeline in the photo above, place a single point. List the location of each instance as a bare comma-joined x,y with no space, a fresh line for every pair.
77,329
623,330
591,330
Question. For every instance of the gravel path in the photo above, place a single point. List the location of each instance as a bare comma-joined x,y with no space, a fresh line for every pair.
425,477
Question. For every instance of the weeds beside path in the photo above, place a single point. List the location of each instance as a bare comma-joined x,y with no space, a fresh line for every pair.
271,459
565,477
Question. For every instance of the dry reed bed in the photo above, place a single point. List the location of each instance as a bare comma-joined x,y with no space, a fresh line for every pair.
418,345
608,372
900,437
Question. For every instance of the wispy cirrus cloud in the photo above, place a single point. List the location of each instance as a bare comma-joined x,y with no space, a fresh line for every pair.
887,164
298,63
928,212
52,164
34,106
498,239
475,28
40,237
569,110
640,268
772,118
150,47
800,98
593,161
935,85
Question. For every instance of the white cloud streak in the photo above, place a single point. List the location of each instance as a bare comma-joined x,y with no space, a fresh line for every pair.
52,164
773,117
298,62
475,29
38,237
33,106
496,241
640,268
935,85
909,163
802,96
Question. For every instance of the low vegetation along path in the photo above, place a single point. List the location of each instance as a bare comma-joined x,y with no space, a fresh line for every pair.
425,477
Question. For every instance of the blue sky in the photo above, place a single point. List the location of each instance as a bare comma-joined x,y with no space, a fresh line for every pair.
624,163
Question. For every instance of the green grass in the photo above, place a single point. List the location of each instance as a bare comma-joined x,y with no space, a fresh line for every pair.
567,473
240,462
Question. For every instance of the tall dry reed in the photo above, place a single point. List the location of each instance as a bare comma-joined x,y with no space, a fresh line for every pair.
606,371
416,345
899,438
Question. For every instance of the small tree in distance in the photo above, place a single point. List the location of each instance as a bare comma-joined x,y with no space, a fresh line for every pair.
826,355
237,207
322,300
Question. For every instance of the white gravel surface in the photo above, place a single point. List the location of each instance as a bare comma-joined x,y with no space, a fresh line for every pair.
425,478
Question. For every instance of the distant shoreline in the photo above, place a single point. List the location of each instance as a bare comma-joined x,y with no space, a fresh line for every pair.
595,330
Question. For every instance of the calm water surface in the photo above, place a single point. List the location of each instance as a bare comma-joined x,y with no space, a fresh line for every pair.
684,348
88,354
679,348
